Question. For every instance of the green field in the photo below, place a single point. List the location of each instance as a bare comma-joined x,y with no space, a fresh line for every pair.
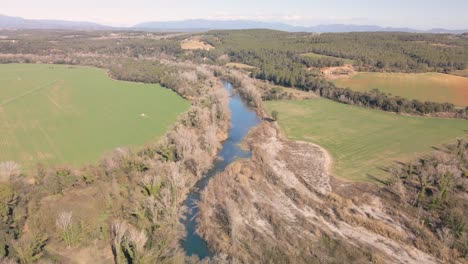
361,141
320,56
54,114
434,87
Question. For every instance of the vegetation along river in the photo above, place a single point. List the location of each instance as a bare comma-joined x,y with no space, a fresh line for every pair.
242,120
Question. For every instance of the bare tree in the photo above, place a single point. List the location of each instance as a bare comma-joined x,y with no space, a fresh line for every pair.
65,225
8,170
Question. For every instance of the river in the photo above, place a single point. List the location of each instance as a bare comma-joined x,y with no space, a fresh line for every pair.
242,120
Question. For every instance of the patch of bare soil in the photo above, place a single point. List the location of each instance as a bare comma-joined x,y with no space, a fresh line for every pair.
241,66
443,45
333,73
282,206
89,209
195,43
153,36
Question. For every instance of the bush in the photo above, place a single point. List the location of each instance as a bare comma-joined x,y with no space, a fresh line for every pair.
274,115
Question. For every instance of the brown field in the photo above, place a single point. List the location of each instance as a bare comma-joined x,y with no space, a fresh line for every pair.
195,44
431,86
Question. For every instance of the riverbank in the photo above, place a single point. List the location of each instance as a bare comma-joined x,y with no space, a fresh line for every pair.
282,206
242,120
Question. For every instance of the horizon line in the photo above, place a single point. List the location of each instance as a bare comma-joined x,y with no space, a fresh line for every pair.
253,19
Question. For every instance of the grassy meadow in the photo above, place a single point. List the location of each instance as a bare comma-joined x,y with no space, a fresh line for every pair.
54,114
362,141
435,87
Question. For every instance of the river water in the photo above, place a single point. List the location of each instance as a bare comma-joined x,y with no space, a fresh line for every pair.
242,120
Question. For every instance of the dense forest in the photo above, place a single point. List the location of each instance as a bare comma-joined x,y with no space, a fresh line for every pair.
277,57
372,51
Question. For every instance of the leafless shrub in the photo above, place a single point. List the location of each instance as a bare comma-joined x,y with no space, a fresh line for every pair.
128,242
64,220
176,178
137,238
151,183
446,236
185,141
204,73
8,170
6,260
118,230
115,158
189,76
223,59
68,232
210,139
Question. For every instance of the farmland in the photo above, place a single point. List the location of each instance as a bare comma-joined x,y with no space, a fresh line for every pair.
435,87
64,114
362,141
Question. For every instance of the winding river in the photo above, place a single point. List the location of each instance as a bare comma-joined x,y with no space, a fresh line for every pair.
242,120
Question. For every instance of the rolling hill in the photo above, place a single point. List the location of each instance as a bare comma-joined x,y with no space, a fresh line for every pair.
10,22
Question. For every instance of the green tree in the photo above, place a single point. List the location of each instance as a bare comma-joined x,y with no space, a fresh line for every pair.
274,115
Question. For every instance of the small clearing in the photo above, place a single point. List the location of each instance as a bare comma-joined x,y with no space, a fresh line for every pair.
241,66
333,73
195,44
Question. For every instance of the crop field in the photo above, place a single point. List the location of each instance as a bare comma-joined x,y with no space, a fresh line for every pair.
53,114
435,87
320,56
363,141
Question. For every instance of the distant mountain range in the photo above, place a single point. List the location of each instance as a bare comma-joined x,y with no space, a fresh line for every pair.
203,24
7,22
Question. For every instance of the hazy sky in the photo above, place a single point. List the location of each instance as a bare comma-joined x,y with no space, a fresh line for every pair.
422,14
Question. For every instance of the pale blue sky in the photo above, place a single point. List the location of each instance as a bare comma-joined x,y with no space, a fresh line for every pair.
421,14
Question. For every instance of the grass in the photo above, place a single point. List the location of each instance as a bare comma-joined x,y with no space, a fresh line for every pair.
320,56
54,114
362,141
434,87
